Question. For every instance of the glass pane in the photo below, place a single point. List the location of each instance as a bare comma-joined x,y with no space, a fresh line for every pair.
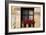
23,17
30,12
31,17
25,12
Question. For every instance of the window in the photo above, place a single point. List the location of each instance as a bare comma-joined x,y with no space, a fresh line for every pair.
26,15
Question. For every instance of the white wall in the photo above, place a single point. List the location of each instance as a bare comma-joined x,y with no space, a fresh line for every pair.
2,16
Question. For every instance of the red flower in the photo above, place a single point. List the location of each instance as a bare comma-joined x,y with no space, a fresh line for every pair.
28,21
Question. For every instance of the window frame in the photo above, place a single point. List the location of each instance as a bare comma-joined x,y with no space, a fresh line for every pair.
24,2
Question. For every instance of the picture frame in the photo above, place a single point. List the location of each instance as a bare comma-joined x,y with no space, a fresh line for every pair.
26,7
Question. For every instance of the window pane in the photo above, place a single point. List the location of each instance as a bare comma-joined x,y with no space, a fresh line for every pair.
25,12
25,17
31,17
30,12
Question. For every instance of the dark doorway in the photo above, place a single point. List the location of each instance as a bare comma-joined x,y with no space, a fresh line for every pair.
26,13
